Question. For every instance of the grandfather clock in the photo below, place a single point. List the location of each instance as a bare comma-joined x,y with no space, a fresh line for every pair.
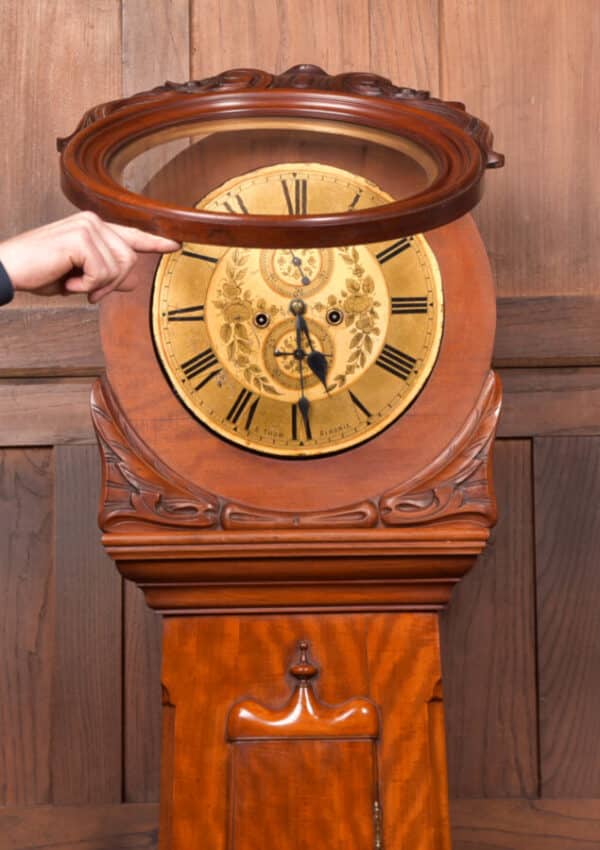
296,424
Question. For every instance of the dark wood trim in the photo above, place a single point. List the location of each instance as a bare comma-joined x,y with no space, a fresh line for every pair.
508,824
531,332
553,330
550,402
111,827
537,402
519,824
50,341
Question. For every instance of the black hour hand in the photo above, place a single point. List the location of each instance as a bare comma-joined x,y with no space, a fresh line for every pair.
316,360
317,363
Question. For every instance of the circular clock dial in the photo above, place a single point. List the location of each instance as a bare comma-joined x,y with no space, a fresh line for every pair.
298,353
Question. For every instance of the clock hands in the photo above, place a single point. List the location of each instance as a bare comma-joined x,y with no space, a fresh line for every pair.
299,354
297,261
315,359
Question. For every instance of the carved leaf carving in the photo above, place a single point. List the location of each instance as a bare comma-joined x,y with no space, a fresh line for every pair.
136,488
459,482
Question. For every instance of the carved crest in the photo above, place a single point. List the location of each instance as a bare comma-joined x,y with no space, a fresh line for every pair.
306,77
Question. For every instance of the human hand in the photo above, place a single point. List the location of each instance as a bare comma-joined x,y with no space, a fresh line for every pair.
81,253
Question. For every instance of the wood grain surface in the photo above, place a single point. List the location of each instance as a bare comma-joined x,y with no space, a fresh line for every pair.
550,402
107,827
530,332
392,660
532,71
518,824
488,645
141,698
273,34
50,47
27,612
513,824
45,412
86,687
533,67
567,527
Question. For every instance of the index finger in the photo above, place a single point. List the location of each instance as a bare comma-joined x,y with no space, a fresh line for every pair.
141,241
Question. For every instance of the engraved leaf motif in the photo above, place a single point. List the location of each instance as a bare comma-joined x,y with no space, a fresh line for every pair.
225,333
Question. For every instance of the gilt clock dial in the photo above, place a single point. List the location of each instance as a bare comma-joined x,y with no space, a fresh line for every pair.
305,352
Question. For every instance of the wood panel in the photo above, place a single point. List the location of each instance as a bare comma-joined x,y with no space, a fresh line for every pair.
525,824
273,35
64,56
87,680
404,42
531,332
45,412
26,625
550,402
165,26
477,825
530,69
548,331
51,340
567,488
141,698
116,827
488,650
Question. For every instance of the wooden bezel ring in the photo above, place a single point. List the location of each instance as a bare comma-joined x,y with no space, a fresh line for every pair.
458,143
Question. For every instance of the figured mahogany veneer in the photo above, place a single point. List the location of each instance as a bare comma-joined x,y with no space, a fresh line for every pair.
303,716
381,785
305,493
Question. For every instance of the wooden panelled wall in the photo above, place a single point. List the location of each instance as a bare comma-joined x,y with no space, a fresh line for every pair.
79,654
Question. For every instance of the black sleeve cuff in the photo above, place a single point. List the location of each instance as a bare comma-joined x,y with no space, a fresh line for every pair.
7,290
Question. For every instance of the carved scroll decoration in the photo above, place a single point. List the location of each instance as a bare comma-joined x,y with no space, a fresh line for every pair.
459,482
138,487
360,515
303,716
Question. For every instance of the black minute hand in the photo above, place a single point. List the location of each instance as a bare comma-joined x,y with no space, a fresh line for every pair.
303,402
317,362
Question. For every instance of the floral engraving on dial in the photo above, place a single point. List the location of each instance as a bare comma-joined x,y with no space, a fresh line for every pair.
237,308
298,352
357,304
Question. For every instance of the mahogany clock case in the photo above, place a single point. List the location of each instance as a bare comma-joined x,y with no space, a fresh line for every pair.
394,458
